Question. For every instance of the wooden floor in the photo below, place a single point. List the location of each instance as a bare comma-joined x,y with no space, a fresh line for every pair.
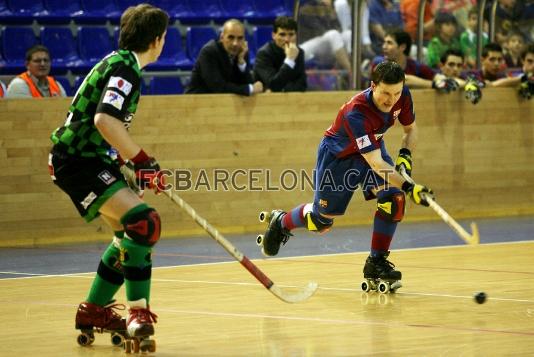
220,310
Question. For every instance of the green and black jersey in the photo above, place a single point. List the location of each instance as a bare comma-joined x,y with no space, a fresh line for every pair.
112,87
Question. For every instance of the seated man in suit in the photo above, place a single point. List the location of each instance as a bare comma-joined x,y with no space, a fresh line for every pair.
222,66
280,62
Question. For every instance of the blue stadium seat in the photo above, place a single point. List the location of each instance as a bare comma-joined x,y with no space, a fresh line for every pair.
196,38
93,44
63,48
16,41
124,4
268,10
177,10
77,83
21,11
173,55
204,11
98,12
238,9
60,11
262,35
64,81
166,85
252,48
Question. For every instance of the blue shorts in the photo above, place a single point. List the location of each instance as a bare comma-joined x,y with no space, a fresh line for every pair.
336,179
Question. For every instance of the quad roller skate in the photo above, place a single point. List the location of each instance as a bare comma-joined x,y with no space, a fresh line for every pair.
140,327
380,275
275,235
91,318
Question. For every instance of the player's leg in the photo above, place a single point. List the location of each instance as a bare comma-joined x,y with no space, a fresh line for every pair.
331,199
142,230
390,211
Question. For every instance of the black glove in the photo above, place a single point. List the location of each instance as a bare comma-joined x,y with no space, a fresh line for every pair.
417,193
148,172
526,88
404,160
444,85
473,92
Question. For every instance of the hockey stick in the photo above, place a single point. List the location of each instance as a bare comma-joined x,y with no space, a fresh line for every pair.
304,294
473,238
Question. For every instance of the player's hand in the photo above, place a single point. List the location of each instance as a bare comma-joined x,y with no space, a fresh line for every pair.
473,93
291,50
418,193
526,88
148,173
404,160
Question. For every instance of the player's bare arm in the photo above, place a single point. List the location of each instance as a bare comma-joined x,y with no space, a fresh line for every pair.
114,132
382,168
409,139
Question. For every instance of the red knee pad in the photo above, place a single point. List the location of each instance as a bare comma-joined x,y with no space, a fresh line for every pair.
392,207
143,227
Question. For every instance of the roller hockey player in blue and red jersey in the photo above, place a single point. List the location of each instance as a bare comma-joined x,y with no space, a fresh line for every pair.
352,154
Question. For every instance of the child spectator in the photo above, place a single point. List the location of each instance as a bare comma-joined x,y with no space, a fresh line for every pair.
514,47
468,38
445,38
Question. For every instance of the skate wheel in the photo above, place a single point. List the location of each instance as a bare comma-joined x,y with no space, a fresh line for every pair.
148,345
259,240
135,345
128,346
85,339
117,339
383,287
263,216
366,286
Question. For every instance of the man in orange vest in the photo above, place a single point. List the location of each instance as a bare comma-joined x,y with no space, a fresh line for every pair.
35,82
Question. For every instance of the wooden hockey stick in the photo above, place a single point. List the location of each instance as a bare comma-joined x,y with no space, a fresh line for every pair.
304,294
473,238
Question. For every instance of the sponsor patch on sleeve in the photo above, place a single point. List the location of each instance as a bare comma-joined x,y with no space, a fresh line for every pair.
120,83
363,142
113,98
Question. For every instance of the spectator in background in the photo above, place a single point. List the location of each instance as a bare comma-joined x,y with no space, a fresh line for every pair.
222,66
526,79
468,38
2,89
344,14
444,38
279,63
35,82
458,8
410,14
514,47
320,35
512,16
397,48
492,66
384,16
452,64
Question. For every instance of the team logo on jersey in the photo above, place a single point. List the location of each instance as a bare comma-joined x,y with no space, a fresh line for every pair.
113,98
363,142
88,200
120,83
323,203
396,114
106,177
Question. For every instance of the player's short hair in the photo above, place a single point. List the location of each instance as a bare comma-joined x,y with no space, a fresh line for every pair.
491,47
140,25
402,38
388,72
472,11
34,49
444,17
529,49
284,22
451,52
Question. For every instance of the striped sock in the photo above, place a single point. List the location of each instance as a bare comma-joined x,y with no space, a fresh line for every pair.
294,218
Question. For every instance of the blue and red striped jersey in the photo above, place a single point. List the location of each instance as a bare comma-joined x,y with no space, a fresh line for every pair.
359,125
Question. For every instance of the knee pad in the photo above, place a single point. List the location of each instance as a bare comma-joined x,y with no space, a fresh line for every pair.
392,206
315,222
143,227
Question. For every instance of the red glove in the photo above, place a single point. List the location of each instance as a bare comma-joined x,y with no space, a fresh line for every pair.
148,173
